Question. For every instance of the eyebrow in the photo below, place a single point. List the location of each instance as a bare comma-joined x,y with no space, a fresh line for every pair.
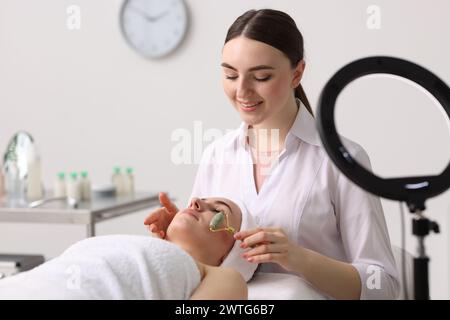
256,68
221,202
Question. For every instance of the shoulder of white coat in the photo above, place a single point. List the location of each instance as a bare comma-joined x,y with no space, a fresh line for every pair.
356,151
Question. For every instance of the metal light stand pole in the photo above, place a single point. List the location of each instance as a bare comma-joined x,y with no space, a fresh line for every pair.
421,227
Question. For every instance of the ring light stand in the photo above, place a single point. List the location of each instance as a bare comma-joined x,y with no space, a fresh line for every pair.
412,190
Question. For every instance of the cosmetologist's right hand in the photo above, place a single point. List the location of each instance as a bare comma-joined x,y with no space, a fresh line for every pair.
158,220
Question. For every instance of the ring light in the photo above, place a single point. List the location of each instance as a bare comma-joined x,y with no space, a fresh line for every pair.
412,190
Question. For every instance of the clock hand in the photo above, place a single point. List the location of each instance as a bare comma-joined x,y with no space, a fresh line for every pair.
143,14
150,18
159,16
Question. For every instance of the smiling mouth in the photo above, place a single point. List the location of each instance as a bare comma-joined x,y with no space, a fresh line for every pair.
250,104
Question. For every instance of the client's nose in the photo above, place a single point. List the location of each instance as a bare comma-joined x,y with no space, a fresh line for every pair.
196,204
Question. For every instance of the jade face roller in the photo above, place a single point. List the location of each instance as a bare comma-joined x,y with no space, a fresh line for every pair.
217,221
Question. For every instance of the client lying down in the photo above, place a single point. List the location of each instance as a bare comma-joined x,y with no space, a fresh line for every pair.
198,259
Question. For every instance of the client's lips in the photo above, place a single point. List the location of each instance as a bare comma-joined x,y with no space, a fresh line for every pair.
191,212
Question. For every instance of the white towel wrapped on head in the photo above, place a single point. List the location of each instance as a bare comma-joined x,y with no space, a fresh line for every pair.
234,258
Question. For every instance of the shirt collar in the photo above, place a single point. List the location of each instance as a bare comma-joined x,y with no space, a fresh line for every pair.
303,128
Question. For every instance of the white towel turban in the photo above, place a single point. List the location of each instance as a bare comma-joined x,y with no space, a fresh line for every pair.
234,258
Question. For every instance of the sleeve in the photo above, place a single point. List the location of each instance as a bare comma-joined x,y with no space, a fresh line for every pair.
365,236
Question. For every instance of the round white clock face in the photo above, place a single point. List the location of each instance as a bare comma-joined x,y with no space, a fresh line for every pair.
154,27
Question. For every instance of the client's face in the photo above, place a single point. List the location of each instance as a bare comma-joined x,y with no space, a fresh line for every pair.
190,229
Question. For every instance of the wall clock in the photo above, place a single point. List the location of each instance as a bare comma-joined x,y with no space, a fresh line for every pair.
154,28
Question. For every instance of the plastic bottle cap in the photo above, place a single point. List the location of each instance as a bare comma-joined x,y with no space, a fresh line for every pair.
117,170
129,170
61,175
84,174
73,175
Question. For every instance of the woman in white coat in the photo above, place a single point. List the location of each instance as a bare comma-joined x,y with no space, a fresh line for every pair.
313,221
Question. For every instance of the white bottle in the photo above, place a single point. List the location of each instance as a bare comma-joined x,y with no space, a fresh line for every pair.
85,186
59,187
73,187
34,179
2,183
128,182
117,181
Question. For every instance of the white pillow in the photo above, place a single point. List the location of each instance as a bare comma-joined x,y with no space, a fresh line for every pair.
281,286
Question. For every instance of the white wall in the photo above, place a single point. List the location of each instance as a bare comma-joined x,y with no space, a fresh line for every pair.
91,102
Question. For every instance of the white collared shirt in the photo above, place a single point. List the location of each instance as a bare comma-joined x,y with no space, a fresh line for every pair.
308,197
